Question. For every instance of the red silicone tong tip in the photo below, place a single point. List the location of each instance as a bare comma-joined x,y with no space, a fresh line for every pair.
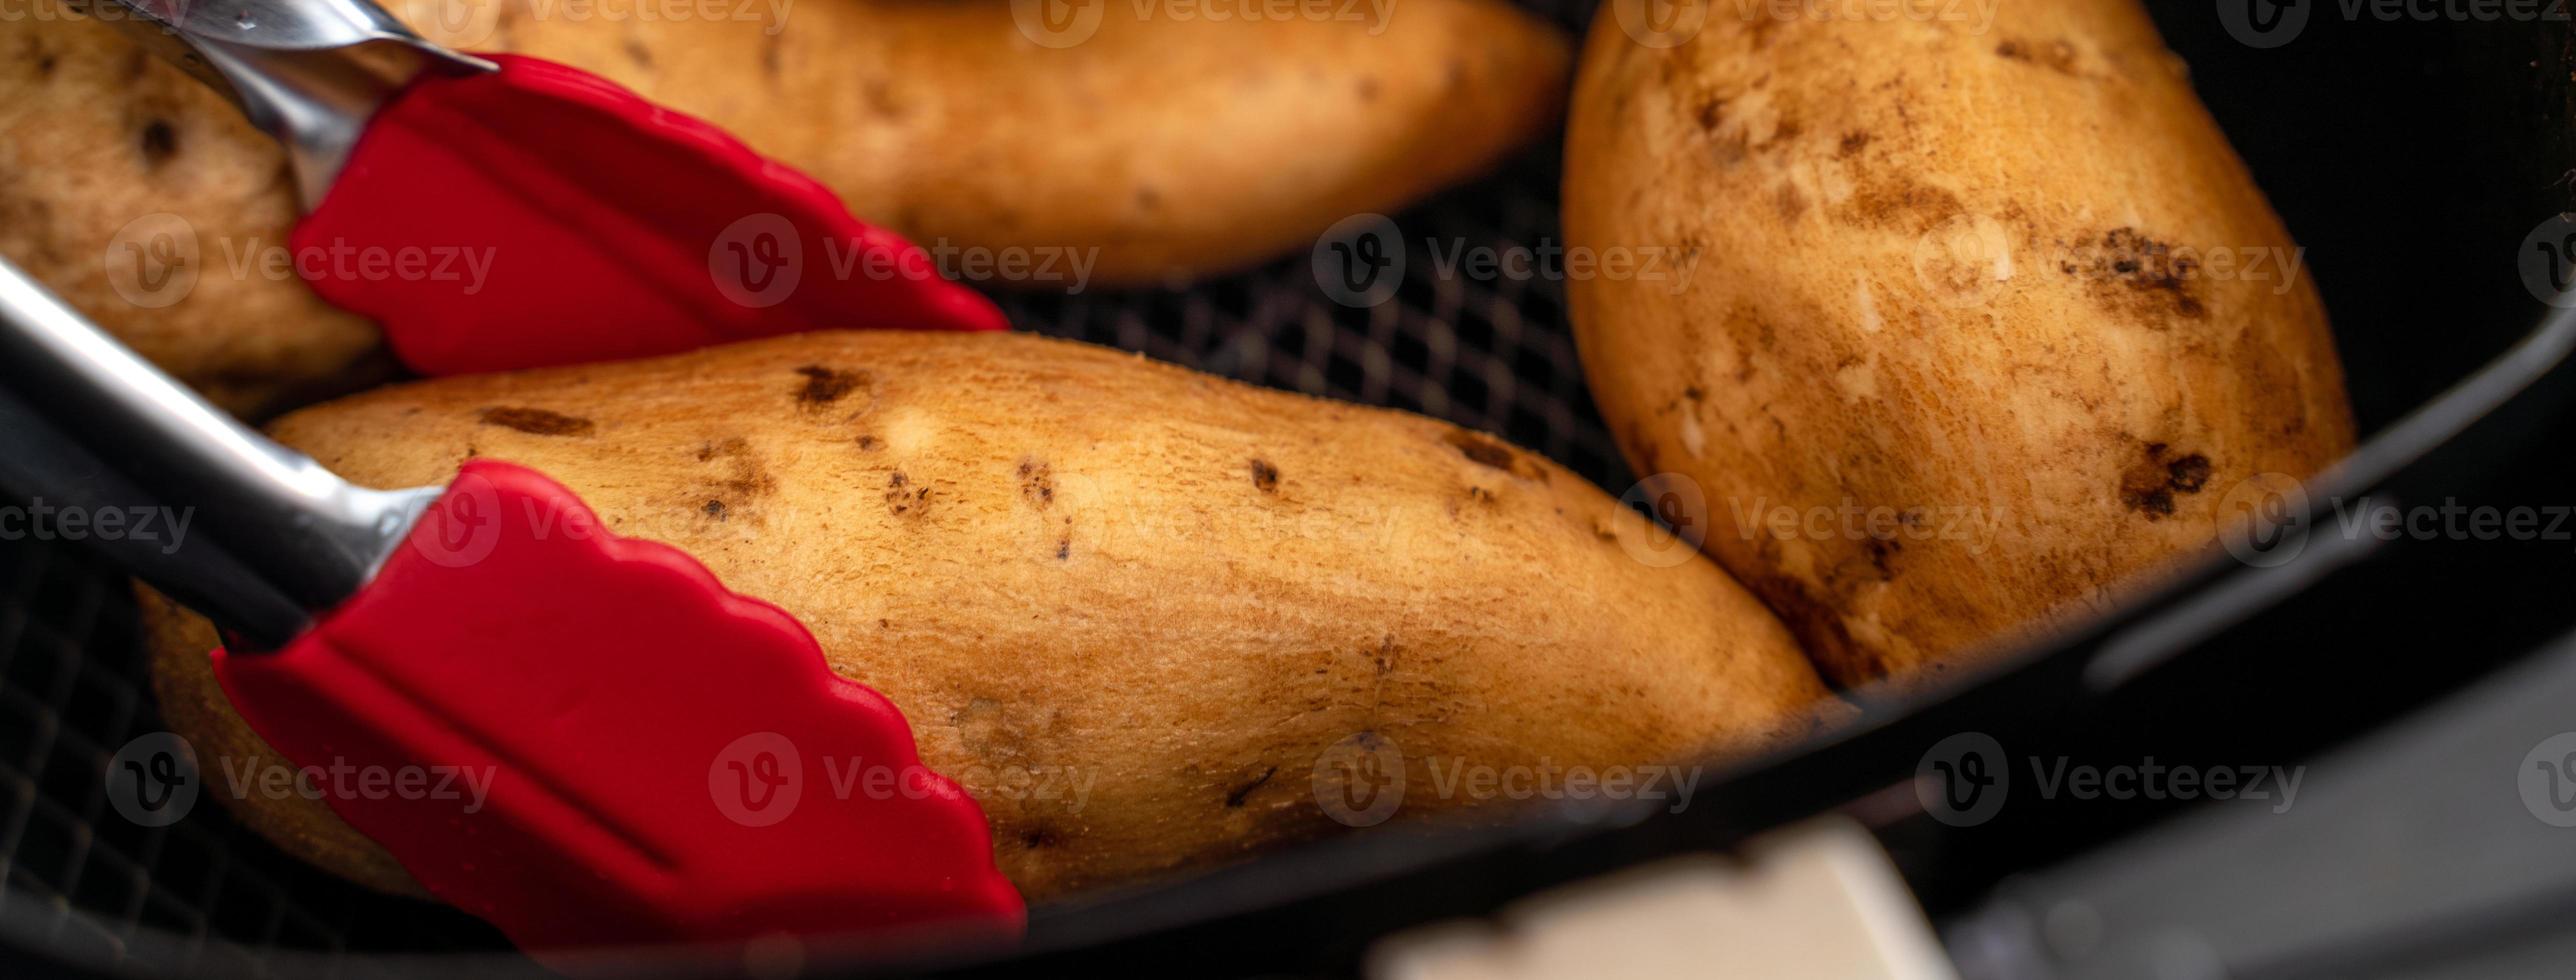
588,741
540,215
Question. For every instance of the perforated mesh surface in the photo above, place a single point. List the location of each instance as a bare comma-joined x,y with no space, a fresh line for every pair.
1492,354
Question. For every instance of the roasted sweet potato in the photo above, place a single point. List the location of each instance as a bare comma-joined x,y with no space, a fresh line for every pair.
1167,597
1986,319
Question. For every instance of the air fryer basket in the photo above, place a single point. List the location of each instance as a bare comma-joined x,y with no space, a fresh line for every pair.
2414,252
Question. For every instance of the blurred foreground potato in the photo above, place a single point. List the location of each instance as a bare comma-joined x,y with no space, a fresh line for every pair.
1980,321
1145,615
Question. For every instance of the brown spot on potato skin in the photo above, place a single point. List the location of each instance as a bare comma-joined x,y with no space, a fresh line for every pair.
1728,151
32,50
749,478
715,509
1491,453
2188,474
1265,476
1236,797
1064,548
2057,56
538,422
2148,486
1790,203
823,385
1711,113
1037,483
869,444
1881,552
1852,143
2136,274
160,142
1758,30
1903,203
902,497
881,99
1482,451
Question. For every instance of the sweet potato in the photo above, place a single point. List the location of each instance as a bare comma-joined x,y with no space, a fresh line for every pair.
1987,320
1164,594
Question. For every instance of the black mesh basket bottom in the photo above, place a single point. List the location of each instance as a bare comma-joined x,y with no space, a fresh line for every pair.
1489,354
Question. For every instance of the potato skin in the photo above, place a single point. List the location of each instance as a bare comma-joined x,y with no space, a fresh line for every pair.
1937,281
1154,149
1181,589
